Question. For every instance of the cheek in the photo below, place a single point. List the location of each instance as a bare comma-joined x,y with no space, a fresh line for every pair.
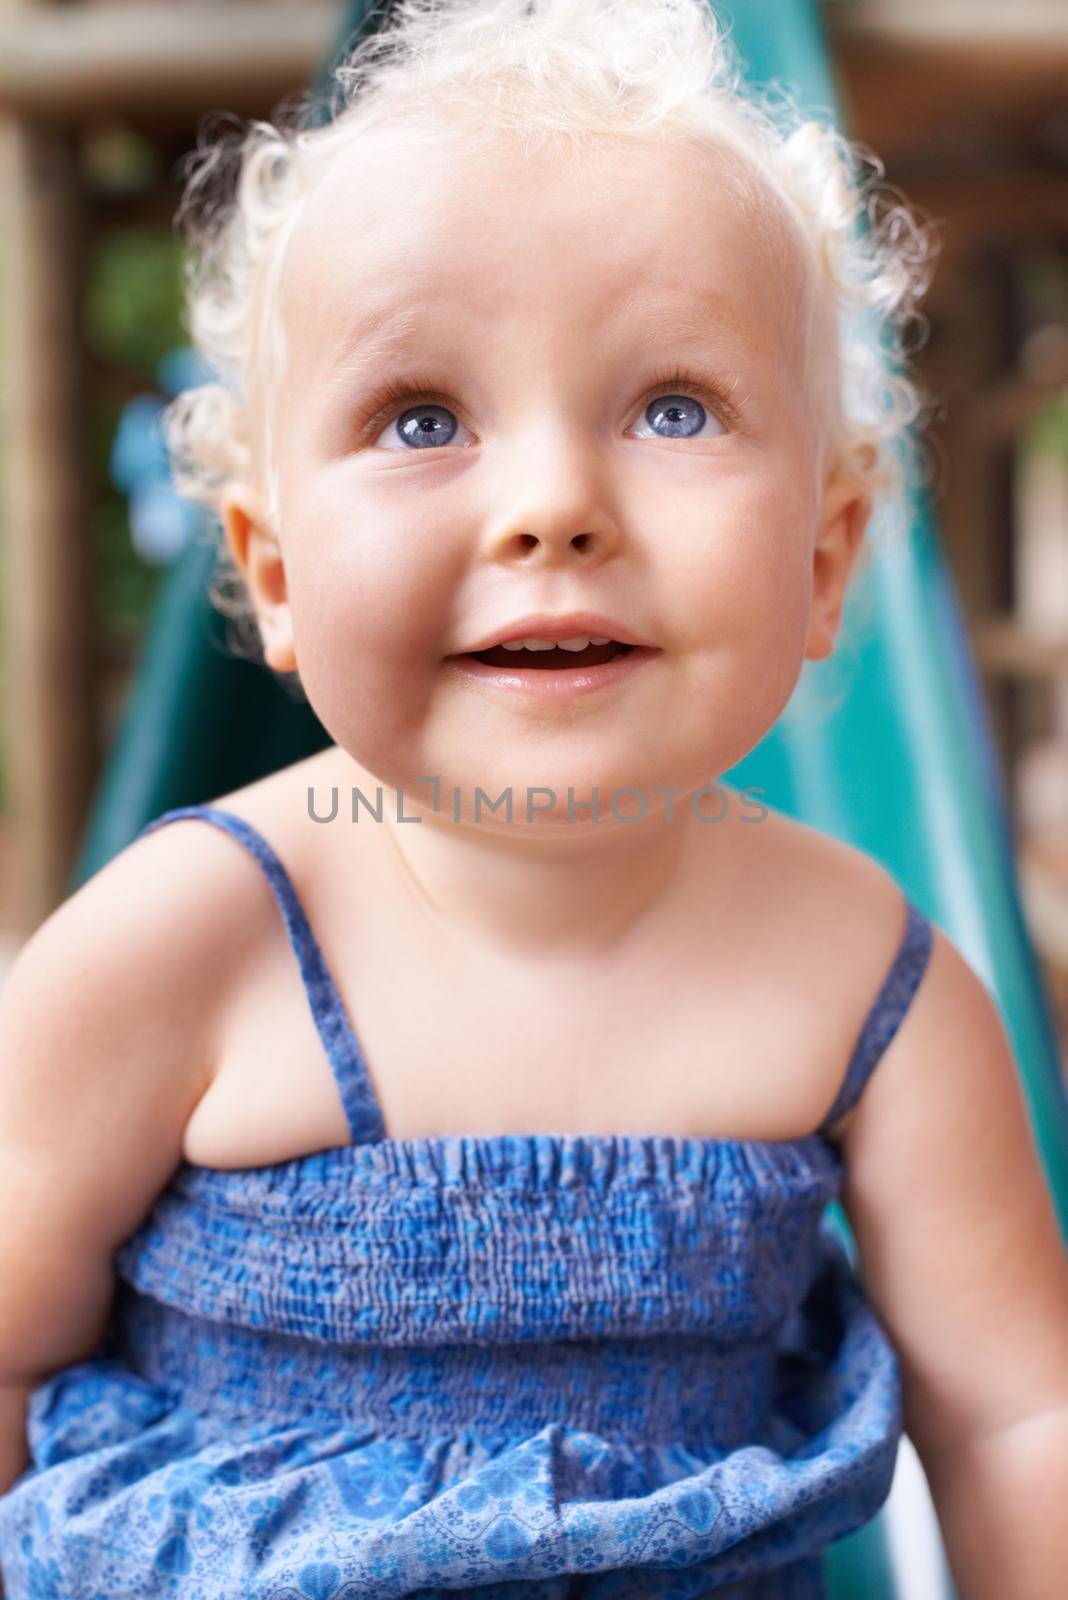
368,589
743,573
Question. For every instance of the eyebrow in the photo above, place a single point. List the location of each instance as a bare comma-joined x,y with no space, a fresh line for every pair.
661,315
371,338
684,313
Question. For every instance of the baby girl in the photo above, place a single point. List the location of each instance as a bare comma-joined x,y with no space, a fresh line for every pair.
415,1164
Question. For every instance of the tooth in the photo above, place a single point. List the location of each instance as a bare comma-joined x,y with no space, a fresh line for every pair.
550,644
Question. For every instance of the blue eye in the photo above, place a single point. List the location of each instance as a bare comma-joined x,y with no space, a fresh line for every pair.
679,414
425,425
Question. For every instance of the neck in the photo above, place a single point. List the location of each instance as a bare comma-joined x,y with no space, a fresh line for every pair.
576,888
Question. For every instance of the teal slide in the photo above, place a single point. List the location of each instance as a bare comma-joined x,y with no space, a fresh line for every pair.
887,745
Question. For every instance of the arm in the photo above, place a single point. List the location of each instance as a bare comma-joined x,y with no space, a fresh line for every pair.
963,1260
14,1456
105,1048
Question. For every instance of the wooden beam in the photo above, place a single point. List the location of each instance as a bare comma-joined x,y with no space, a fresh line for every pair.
1043,869
80,61
51,740
1026,30
926,61
1004,645
955,73
1005,207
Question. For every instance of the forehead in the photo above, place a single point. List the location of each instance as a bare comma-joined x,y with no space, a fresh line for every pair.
406,235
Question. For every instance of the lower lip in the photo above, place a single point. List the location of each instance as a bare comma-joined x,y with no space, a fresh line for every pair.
543,683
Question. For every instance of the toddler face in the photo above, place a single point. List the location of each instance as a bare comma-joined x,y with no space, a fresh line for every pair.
530,313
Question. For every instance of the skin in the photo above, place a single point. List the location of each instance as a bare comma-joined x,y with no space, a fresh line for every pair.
182,1019
730,551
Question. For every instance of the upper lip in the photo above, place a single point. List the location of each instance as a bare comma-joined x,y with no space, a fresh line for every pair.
573,625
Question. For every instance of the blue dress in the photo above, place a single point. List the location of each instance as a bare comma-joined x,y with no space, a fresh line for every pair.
528,1366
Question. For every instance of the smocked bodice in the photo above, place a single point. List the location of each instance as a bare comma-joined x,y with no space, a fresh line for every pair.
638,1286
516,1237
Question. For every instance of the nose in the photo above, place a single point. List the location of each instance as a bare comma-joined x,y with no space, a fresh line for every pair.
556,507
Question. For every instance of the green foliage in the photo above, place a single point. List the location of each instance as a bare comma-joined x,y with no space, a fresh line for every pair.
116,159
1044,281
125,585
1047,432
133,319
134,297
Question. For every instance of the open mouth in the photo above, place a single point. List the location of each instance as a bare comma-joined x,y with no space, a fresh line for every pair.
555,659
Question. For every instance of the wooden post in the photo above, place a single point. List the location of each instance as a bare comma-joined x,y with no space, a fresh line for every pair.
47,585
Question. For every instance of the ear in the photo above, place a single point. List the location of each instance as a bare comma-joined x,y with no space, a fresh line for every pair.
258,555
847,505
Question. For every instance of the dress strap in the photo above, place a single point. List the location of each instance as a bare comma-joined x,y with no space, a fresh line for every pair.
339,1039
887,1013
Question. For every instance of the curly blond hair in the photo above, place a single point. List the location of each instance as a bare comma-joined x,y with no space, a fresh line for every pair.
570,68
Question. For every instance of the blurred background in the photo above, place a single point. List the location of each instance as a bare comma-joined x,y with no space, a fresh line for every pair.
966,104
965,101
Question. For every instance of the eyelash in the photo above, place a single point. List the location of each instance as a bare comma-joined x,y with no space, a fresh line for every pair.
414,389
719,398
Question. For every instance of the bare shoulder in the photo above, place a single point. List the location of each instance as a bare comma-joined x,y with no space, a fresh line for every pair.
841,878
280,806
109,1025
832,917
959,1243
846,901
114,1005
107,1019
114,1012
108,1008
186,910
